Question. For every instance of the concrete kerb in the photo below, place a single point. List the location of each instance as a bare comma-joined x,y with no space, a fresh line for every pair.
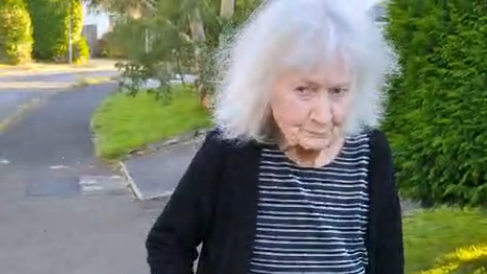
189,136
183,138
7,70
132,184
90,81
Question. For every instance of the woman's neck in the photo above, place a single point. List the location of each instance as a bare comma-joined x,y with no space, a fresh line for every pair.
313,158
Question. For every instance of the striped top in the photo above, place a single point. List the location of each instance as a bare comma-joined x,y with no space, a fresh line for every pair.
312,220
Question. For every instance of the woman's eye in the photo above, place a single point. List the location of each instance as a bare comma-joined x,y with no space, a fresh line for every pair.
302,89
337,91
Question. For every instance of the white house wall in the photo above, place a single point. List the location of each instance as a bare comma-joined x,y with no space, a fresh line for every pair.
98,18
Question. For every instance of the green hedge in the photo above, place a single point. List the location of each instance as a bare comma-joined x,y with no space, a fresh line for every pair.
437,120
51,27
15,32
107,47
81,50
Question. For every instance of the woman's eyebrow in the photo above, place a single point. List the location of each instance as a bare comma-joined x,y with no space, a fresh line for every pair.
340,84
332,85
311,83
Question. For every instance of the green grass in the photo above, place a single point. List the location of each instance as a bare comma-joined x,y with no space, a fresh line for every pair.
123,123
446,241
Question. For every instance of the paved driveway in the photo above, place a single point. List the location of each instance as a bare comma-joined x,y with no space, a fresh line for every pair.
62,210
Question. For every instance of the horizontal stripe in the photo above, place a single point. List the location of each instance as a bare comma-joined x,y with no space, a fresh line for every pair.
310,261
342,185
312,220
312,245
339,161
358,199
337,172
292,188
304,216
310,202
306,255
260,271
273,236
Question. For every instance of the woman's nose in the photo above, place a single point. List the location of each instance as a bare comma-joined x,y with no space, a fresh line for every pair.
321,111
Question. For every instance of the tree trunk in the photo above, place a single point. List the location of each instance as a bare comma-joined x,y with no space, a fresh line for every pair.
198,35
134,12
196,26
227,8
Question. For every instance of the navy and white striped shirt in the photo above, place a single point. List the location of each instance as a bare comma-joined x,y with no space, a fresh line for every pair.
313,220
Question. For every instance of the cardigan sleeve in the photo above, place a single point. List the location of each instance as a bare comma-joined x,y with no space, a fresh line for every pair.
185,221
389,253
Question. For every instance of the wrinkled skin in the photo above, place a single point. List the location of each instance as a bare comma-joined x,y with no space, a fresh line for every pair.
309,110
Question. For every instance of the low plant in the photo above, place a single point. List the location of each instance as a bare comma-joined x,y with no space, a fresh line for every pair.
15,32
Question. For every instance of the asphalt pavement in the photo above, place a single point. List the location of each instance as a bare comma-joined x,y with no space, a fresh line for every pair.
61,209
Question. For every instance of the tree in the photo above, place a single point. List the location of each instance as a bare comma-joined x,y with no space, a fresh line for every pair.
132,8
437,107
15,32
182,37
227,8
51,21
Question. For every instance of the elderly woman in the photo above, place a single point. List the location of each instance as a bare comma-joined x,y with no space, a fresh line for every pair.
296,177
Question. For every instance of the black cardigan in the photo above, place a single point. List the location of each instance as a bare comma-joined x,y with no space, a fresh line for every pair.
215,204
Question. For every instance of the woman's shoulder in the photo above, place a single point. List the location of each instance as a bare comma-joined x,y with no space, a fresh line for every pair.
374,140
378,141
216,141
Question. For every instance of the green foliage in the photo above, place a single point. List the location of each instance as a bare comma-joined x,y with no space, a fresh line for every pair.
156,48
437,111
51,20
81,51
15,32
159,45
107,47
123,124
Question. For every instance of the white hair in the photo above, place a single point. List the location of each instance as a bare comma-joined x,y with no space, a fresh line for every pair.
301,34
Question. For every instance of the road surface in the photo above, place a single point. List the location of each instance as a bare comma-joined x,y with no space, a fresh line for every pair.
62,210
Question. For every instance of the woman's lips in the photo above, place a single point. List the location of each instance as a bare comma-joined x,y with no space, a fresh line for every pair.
317,135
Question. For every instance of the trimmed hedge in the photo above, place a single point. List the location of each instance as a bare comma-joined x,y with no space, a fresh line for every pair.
15,32
51,27
81,50
437,121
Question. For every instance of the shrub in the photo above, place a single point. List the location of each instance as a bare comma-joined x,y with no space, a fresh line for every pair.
81,51
15,32
51,27
436,122
160,45
107,47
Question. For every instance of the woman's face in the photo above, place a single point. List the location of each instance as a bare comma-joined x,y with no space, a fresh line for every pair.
310,109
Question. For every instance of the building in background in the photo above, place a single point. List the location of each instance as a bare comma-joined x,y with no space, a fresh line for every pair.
96,24
99,18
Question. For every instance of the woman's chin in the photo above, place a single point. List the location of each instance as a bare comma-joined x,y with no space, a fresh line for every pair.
314,145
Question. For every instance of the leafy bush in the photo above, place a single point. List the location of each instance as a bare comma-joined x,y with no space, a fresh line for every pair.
107,47
51,20
160,44
437,111
81,50
15,32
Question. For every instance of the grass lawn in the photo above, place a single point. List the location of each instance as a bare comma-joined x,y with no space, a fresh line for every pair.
446,241
124,123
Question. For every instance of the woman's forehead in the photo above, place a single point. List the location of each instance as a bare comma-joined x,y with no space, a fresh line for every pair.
336,71
319,78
